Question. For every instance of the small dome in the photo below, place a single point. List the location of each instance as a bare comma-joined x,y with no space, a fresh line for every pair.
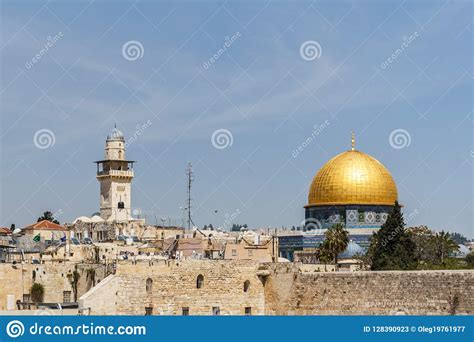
96,219
115,134
351,250
462,251
84,219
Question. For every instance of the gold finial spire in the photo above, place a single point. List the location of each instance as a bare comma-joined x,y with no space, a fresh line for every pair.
353,141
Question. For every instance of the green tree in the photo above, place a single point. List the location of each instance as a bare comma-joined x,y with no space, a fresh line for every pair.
392,247
37,293
445,245
324,254
458,238
470,259
424,245
337,239
48,216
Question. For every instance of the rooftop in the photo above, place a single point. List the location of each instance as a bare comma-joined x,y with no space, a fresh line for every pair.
45,225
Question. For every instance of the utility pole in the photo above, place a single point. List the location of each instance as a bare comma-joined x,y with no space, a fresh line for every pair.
190,174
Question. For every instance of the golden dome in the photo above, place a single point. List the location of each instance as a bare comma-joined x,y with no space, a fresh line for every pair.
353,177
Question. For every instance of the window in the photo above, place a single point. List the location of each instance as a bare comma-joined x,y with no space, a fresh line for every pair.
148,311
185,311
149,285
26,297
200,281
234,252
248,311
216,311
246,285
250,252
66,296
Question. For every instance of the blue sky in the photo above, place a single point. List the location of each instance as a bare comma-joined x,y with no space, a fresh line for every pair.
379,68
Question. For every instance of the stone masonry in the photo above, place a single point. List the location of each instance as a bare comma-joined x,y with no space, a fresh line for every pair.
276,289
17,280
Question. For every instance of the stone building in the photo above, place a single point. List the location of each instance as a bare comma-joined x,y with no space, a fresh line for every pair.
46,231
262,248
115,175
16,281
5,244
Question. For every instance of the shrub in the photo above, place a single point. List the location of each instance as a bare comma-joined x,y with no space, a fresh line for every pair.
37,293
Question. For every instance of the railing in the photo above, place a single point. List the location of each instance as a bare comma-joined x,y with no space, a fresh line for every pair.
122,173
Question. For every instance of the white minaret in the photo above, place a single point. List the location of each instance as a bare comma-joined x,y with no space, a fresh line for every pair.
115,175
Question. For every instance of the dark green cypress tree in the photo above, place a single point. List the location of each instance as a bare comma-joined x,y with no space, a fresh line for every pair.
392,248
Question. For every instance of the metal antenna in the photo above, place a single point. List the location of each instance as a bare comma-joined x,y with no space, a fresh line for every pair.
190,174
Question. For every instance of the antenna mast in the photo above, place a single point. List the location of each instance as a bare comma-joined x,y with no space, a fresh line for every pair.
190,174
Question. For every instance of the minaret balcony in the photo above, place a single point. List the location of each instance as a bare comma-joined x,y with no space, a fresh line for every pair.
115,173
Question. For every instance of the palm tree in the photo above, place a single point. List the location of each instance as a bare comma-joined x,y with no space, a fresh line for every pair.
444,245
337,239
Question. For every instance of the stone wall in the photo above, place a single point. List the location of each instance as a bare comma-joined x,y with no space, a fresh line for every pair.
16,280
277,289
174,287
101,299
289,292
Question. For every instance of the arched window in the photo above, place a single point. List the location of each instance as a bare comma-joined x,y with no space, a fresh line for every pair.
246,285
149,285
200,281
